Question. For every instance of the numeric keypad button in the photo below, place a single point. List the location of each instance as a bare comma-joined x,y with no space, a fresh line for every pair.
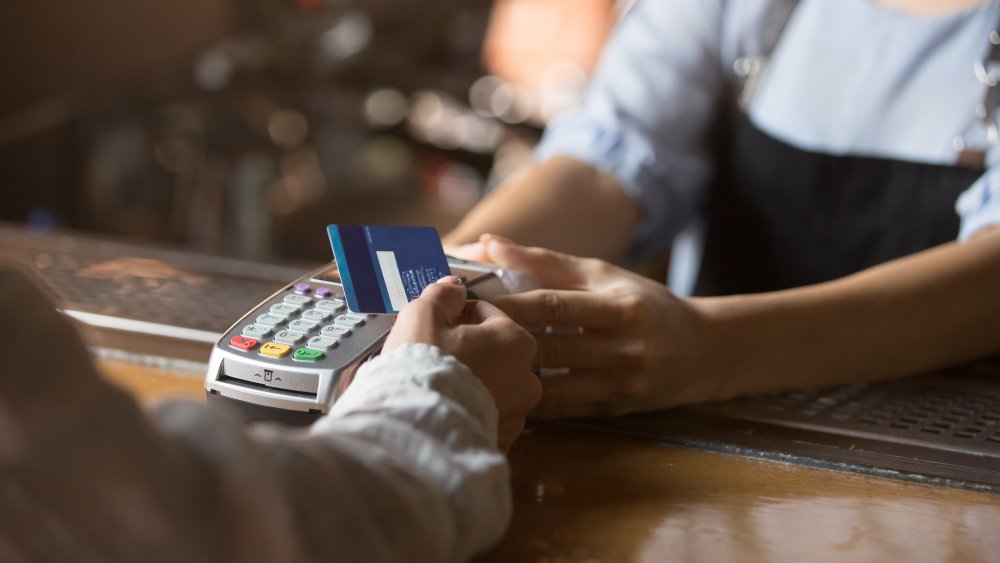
300,300
289,337
302,325
269,320
336,331
349,320
315,315
256,331
284,309
332,305
321,343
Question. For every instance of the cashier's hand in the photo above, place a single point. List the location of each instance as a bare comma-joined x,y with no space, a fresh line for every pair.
620,342
497,350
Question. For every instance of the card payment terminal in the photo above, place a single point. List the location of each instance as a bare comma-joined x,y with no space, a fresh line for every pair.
290,357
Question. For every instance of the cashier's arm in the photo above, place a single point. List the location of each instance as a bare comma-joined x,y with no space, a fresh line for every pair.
563,204
641,348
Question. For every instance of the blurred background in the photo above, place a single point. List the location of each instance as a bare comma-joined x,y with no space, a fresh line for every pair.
243,127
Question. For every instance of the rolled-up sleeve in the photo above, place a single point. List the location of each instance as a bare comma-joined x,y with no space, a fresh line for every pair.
979,206
648,112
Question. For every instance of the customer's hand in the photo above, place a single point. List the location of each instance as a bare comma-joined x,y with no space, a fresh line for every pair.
497,350
627,344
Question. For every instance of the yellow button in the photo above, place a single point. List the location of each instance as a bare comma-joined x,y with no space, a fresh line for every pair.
275,350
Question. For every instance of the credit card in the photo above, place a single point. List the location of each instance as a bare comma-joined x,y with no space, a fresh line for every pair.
384,268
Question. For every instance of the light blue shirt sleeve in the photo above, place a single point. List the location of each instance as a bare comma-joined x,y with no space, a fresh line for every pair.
647,114
665,77
979,206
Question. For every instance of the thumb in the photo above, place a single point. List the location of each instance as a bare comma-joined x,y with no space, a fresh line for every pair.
475,252
444,298
551,269
479,312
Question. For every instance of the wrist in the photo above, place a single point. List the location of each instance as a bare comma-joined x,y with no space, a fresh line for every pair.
729,345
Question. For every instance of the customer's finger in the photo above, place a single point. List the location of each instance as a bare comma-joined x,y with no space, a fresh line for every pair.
445,300
478,312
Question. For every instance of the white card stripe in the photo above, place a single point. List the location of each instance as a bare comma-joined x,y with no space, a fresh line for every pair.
393,281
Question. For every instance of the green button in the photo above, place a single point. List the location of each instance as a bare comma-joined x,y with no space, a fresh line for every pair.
307,355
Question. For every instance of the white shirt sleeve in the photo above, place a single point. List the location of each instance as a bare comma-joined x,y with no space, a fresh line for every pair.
647,115
426,430
405,468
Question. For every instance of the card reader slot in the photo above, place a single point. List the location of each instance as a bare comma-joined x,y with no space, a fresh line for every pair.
271,376
250,385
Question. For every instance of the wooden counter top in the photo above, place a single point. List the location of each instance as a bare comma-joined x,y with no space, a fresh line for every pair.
591,496
588,496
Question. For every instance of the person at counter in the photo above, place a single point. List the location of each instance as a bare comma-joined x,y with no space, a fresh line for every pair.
845,209
405,467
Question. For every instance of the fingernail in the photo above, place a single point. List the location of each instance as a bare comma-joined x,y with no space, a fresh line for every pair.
453,280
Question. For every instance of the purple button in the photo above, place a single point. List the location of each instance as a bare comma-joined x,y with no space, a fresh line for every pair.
323,292
302,288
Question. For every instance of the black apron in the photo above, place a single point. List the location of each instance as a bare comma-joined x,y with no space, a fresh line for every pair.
781,217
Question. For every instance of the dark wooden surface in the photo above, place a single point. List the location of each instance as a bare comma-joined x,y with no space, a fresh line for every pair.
588,496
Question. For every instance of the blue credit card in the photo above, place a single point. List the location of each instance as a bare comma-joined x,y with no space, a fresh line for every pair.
384,268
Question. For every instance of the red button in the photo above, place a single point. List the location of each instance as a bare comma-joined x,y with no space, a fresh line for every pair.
243,343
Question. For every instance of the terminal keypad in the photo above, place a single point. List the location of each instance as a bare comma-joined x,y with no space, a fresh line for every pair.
304,326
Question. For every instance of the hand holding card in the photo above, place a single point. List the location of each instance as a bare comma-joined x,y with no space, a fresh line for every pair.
384,268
